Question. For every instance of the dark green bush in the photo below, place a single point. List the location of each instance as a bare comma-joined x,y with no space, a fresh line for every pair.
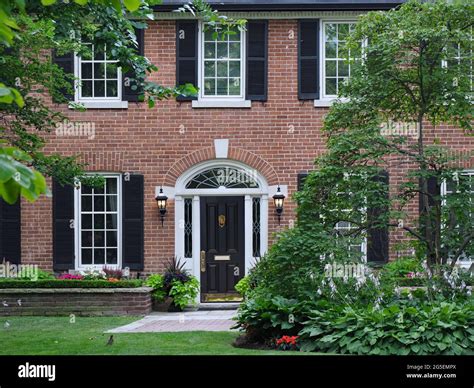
57,283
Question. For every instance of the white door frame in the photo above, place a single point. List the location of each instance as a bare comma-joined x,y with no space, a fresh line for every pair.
181,193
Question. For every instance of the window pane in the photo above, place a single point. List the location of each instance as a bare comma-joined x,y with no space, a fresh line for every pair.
209,86
331,50
234,69
209,69
343,32
111,184
209,50
111,256
222,50
98,203
330,30
86,70
234,86
99,71
99,239
99,53
111,203
222,69
111,239
86,239
86,256
234,50
86,88
222,87
86,203
86,221
99,88
331,68
99,256
111,70
343,69
99,221
331,88
112,90
111,221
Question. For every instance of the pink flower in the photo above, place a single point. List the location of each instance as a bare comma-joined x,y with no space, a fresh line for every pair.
68,276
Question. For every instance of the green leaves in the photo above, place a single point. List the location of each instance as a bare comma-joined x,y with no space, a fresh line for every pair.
10,95
132,5
17,179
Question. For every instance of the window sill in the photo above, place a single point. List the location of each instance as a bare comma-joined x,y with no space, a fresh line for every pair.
103,104
327,102
221,104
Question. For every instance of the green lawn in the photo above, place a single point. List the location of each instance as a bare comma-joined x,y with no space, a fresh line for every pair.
57,336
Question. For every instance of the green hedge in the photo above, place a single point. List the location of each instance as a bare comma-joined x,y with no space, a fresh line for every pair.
59,283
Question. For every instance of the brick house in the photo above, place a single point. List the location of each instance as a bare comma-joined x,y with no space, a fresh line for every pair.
220,158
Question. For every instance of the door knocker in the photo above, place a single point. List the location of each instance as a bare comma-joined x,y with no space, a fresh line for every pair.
222,220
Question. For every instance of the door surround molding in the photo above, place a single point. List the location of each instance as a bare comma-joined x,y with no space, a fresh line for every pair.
180,193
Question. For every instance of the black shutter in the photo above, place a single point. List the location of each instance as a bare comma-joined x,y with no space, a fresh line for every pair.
257,54
65,62
63,227
308,61
377,238
10,232
300,180
128,94
133,221
186,54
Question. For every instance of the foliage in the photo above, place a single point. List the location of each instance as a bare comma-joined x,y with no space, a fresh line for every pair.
243,287
156,281
401,267
61,283
36,274
184,293
30,29
112,273
398,329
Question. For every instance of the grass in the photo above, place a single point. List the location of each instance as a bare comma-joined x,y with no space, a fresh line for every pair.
58,336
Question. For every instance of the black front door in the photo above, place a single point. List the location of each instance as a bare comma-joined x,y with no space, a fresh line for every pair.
222,257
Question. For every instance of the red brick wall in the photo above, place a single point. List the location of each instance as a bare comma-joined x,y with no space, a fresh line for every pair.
283,132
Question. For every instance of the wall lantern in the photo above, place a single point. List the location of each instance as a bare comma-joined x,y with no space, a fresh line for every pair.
278,200
161,199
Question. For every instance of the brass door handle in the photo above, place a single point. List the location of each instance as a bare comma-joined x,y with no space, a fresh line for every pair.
203,261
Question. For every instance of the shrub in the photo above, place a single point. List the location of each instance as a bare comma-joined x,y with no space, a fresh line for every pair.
39,274
59,283
402,328
243,286
156,281
184,293
112,273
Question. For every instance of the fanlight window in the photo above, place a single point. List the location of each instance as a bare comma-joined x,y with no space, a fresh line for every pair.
228,177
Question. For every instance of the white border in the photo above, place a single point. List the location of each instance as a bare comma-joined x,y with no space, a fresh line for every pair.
77,225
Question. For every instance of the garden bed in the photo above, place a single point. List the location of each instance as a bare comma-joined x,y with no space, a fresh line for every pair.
91,301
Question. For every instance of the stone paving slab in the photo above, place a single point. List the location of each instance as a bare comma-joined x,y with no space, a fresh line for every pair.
159,322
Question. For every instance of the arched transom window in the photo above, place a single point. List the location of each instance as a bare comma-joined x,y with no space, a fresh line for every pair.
228,177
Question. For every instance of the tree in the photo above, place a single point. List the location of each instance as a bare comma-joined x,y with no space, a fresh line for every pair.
27,31
415,75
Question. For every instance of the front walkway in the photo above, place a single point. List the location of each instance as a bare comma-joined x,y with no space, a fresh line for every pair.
157,322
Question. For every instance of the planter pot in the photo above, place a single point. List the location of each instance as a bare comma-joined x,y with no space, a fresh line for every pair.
162,306
174,309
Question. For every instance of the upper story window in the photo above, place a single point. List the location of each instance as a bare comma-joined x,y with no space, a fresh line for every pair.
99,76
462,55
222,65
336,66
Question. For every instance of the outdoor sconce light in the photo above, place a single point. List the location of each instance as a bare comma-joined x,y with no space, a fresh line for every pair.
161,199
278,200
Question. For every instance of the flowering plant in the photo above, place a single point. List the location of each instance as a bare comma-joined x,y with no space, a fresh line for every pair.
68,276
92,273
287,342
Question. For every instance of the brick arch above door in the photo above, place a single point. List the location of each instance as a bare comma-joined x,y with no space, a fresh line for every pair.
208,153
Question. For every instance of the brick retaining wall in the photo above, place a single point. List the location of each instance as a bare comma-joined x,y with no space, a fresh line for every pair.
79,301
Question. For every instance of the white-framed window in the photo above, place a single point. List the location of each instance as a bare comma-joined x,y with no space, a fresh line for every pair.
98,224
357,245
463,56
449,187
99,79
335,67
221,68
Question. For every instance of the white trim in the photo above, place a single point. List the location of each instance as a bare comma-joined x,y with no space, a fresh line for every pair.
326,103
443,189
215,103
77,226
221,101
181,192
221,147
101,104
